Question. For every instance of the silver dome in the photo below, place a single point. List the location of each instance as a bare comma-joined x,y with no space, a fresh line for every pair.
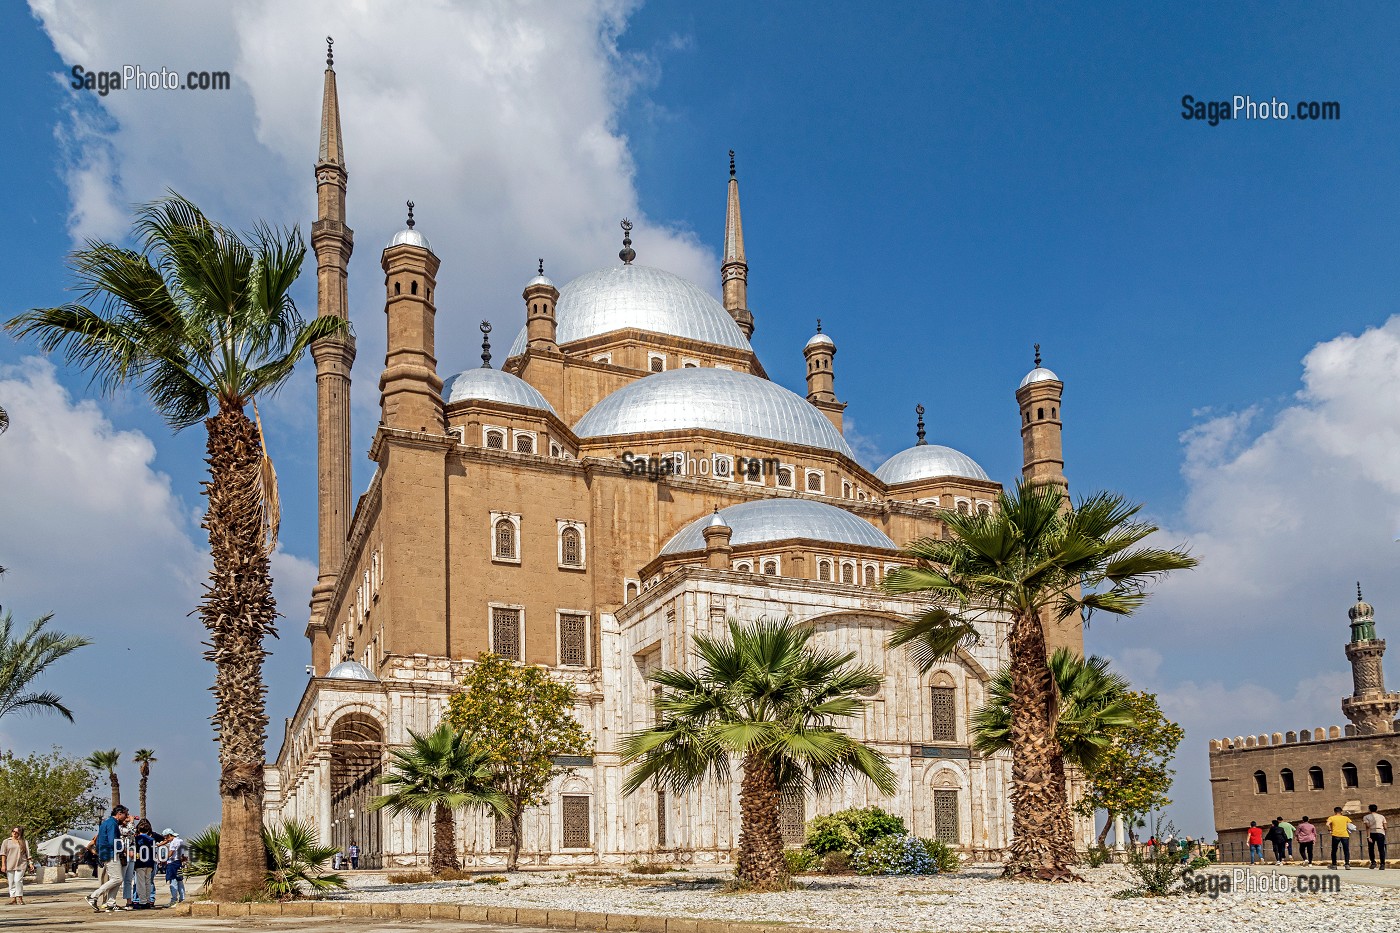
714,399
411,238
820,339
350,670
540,279
492,385
927,461
779,520
1039,374
643,298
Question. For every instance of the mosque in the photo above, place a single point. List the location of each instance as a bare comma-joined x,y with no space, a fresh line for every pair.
628,479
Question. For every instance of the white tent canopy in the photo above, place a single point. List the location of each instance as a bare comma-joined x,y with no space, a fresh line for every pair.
64,845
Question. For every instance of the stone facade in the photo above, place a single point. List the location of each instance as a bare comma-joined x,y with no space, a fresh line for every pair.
496,522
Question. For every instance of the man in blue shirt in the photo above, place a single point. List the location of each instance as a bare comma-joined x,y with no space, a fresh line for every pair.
107,843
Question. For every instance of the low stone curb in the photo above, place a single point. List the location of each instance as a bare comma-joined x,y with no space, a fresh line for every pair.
476,913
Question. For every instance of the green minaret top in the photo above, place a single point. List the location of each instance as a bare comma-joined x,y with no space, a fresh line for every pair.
1363,619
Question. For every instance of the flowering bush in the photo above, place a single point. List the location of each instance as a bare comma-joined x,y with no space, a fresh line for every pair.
894,855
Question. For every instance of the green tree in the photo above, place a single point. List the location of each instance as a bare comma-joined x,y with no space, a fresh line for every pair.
523,718
1093,705
145,758
201,319
107,761
1032,558
1133,775
439,773
767,698
47,794
24,658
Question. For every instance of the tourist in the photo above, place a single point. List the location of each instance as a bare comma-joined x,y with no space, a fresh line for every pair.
1340,826
127,853
144,858
1256,842
106,844
336,859
1306,834
14,862
1279,840
176,854
1375,838
354,855
1290,830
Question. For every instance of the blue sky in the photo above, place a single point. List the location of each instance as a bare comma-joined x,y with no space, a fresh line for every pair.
943,185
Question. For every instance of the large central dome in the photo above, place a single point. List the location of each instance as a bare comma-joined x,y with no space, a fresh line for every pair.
717,399
643,298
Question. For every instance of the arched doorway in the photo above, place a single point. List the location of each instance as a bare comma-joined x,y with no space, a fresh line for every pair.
357,760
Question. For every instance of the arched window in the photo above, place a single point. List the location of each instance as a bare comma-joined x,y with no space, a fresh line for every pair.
962,508
413,288
1261,782
571,548
496,440
869,576
397,289
524,443
984,509
505,539
1349,775
1040,414
770,568
1384,773
1054,412
689,365
785,477
1315,779
814,482
848,573
1286,780
631,592
824,571
743,568
657,364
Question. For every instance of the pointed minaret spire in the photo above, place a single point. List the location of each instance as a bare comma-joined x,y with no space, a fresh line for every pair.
485,344
1037,356
919,410
332,147
734,272
410,215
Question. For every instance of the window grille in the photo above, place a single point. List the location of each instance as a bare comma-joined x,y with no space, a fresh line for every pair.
945,816
657,364
814,482
576,829
573,555
792,818
785,477
505,832
848,573
524,444
505,633
496,440
945,727
962,508
869,576
824,571
771,568
573,641
505,539
661,818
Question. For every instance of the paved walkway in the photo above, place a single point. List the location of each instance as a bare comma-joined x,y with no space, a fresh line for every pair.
1390,878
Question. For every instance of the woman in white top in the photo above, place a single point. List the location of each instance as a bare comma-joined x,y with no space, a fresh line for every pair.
14,862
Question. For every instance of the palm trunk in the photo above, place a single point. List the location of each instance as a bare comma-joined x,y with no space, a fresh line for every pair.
1042,845
444,840
239,611
145,776
116,788
760,865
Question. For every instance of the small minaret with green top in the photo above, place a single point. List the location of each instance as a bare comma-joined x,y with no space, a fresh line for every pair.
1371,710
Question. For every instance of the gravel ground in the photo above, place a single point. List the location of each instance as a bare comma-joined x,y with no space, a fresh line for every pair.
973,901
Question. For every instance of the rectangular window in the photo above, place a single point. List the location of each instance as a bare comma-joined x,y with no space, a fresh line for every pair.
792,818
945,816
661,818
573,641
505,633
945,727
577,833
505,832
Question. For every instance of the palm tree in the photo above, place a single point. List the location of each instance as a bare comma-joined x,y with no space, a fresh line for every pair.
294,860
23,659
145,758
1034,557
200,318
440,772
107,761
1093,704
767,698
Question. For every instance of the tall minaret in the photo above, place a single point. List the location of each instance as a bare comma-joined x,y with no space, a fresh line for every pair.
333,242
734,273
1042,451
1370,709
820,351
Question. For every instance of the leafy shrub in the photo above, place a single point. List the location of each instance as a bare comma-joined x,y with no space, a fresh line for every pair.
1199,862
800,861
893,855
827,834
837,863
410,877
491,879
1097,856
638,867
1158,870
945,858
296,861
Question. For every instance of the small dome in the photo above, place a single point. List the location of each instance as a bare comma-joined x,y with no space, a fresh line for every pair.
820,340
643,298
715,399
766,520
1039,374
409,237
493,385
350,670
540,279
716,521
1362,610
926,461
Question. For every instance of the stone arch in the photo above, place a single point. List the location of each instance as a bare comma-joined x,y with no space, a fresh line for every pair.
357,742
944,809
962,655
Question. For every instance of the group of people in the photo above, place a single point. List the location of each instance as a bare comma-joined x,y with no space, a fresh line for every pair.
130,854
1281,835
351,855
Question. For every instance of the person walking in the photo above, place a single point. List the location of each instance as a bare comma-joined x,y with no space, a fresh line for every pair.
176,855
1289,829
14,862
1256,842
1375,836
128,860
354,855
144,883
1340,827
1306,835
106,844
1279,840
